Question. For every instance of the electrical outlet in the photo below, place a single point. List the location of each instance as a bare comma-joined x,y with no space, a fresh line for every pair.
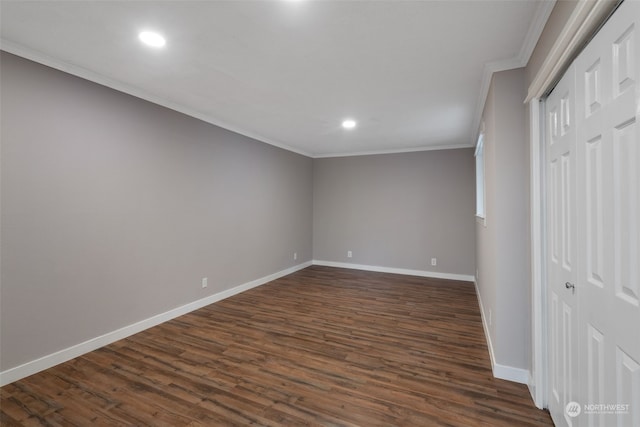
434,261
349,254
205,282
295,256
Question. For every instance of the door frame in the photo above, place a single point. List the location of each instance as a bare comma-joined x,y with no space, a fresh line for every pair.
587,17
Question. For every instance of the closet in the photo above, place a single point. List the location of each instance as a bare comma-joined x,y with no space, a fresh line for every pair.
592,169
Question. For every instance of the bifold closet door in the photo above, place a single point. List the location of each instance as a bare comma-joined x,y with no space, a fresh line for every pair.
593,230
608,166
561,239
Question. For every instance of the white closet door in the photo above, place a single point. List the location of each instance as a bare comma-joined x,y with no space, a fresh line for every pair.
608,163
562,226
593,221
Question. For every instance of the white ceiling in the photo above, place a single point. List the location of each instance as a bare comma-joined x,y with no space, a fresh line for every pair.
414,74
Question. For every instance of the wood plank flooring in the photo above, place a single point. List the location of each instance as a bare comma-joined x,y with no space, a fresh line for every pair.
323,346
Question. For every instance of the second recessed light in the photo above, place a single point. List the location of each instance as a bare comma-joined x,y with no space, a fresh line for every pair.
349,124
152,39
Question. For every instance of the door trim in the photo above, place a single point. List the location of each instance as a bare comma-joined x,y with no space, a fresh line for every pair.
538,378
586,18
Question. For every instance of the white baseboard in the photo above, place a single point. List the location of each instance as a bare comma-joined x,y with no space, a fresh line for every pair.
485,326
500,371
531,385
46,362
509,373
420,273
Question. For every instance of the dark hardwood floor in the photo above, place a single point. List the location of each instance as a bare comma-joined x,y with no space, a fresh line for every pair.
322,346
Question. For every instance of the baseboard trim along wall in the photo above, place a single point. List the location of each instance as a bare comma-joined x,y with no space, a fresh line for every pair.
509,373
485,326
531,385
51,360
408,272
500,371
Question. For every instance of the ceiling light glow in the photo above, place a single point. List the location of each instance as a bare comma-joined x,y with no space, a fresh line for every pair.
349,124
152,39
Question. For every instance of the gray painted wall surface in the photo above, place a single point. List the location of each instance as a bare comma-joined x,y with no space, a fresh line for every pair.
84,164
503,241
503,246
397,210
113,209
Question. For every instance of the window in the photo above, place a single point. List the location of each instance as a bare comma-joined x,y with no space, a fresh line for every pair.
480,211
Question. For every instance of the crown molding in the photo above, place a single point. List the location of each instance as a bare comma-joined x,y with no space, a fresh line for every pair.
535,31
536,27
393,151
41,58
84,73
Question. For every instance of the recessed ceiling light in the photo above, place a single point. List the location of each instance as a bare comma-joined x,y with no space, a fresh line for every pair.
349,124
152,39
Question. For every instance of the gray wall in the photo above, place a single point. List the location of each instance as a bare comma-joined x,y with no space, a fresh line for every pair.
113,209
503,240
396,210
503,245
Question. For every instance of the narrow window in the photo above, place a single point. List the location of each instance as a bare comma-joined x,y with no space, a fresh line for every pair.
480,208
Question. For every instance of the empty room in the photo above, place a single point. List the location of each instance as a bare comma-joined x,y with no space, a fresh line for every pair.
321,213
